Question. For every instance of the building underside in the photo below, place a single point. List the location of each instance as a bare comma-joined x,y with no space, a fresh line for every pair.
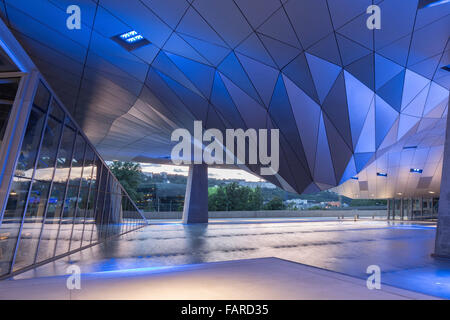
349,102
361,110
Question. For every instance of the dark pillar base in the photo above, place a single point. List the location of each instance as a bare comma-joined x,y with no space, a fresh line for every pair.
196,199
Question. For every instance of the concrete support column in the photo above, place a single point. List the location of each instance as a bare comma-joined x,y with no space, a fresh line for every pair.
421,207
402,209
442,244
196,199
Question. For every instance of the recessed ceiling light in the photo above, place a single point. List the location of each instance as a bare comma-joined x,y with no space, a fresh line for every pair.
431,192
416,170
130,40
131,37
128,35
381,174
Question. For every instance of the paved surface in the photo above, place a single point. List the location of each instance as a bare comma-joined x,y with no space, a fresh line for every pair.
265,278
401,250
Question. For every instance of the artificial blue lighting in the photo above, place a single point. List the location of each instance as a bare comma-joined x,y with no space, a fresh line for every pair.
13,57
131,37
416,170
128,35
134,39
354,178
436,3
381,174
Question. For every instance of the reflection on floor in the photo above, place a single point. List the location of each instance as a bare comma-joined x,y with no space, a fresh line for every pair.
401,250
264,278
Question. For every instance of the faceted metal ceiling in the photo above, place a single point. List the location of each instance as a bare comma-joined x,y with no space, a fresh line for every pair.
346,99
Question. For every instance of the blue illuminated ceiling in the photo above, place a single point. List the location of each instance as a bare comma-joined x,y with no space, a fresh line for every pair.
342,95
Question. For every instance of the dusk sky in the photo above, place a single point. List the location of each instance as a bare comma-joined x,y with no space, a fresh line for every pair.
212,172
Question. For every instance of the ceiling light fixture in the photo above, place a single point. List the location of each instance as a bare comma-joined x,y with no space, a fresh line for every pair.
130,40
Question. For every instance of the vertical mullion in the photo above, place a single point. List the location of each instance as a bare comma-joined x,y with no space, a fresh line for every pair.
97,196
104,201
79,188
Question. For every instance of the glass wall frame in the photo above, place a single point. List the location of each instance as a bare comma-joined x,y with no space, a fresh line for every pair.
86,208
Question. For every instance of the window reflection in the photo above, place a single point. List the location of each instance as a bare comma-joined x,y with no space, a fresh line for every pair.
6,64
10,225
32,224
70,203
30,144
8,90
42,97
49,148
58,203
62,193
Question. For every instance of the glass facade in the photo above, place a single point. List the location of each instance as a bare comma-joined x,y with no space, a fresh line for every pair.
62,196
8,90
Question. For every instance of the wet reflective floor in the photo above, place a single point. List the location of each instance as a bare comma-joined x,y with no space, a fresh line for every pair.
401,250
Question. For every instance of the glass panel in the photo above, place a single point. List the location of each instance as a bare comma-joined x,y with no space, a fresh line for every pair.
42,97
72,197
125,213
8,90
10,225
76,170
99,198
32,225
30,144
56,206
49,148
89,220
6,64
77,176
82,213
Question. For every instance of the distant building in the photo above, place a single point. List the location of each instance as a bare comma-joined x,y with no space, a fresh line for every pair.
299,204
253,184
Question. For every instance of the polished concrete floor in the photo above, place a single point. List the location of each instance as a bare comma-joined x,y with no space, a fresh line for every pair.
251,279
401,249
